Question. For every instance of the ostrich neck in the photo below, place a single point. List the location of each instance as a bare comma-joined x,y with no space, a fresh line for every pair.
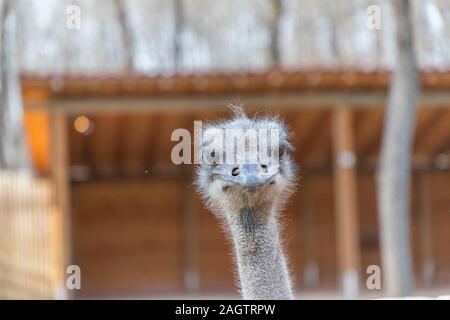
262,267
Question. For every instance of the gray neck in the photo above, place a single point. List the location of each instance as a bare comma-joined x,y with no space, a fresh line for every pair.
262,267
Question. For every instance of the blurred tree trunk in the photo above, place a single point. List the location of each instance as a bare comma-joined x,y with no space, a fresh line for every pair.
13,148
275,31
179,22
394,176
126,35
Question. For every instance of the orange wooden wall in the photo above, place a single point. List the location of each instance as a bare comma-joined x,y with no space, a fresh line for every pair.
129,235
37,126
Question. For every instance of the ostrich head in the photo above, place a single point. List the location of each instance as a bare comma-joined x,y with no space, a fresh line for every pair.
259,174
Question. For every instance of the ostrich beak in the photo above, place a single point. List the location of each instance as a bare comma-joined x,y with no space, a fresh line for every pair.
252,178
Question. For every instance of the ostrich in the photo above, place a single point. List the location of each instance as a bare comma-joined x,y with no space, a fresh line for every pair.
247,198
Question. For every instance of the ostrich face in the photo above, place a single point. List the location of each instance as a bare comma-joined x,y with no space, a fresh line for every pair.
246,179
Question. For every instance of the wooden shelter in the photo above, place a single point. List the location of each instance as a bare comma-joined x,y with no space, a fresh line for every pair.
105,83
133,223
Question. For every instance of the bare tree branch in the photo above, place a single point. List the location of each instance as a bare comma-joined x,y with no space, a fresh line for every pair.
179,21
395,175
13,147
275,31
126,36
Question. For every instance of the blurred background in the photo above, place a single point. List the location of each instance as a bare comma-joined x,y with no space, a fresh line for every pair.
92,90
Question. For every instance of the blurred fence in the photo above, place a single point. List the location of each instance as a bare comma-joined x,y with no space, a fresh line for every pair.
29,237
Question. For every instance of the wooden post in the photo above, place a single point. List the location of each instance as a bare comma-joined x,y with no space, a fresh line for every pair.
60,174
311,275
191,252
425,230
348,249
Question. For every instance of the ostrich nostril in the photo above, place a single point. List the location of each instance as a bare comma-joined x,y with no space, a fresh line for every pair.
235,172
264,168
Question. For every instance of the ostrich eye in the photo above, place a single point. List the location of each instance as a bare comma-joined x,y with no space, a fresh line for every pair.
264,168
211,157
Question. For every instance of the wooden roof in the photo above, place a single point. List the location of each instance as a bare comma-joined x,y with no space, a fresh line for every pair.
37,88
128,143
139,145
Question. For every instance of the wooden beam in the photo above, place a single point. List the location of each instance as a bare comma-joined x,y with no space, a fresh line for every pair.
368,132
425,230
320,152
273,80
436,136
348,248
426,118
289,100
315,146
308,122
105,144
191,243
442,142
137,135
311,275
60,172
168,124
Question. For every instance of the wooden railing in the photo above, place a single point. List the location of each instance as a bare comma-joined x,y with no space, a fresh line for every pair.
30,239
